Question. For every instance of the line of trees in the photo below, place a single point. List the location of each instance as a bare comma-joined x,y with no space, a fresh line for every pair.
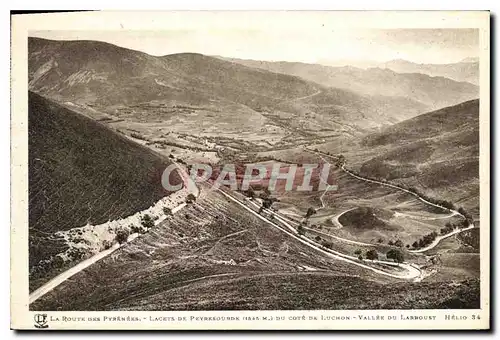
327,244
468,217
468,220
448,228
267,203
340,161
425,240
147,222
300,229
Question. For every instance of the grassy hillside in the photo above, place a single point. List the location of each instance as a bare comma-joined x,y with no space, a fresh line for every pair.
100,73
211,239
80,172
463,117
367,218
437,152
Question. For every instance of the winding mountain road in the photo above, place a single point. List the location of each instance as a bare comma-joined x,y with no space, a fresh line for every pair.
412,272
440,238
452,211
422,218
304,97
287,222
56,281
346,240
335,219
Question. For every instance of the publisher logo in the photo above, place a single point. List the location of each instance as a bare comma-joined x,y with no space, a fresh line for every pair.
41,321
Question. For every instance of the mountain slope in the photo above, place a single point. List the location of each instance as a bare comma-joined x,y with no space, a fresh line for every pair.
434,92
110,80
80,172
102,73
437,152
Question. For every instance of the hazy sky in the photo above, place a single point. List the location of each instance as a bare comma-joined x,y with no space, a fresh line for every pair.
307,45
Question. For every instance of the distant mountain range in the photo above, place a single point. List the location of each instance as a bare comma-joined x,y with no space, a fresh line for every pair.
432,91
466,70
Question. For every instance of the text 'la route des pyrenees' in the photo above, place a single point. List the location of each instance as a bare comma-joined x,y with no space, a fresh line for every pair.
324,317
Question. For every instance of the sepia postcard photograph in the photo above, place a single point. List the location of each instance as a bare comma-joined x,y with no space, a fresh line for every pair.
250,170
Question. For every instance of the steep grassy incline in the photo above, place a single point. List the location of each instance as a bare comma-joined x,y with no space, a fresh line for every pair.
437,152
81,172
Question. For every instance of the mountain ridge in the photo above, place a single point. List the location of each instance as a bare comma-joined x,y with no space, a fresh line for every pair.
433,91
114,79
